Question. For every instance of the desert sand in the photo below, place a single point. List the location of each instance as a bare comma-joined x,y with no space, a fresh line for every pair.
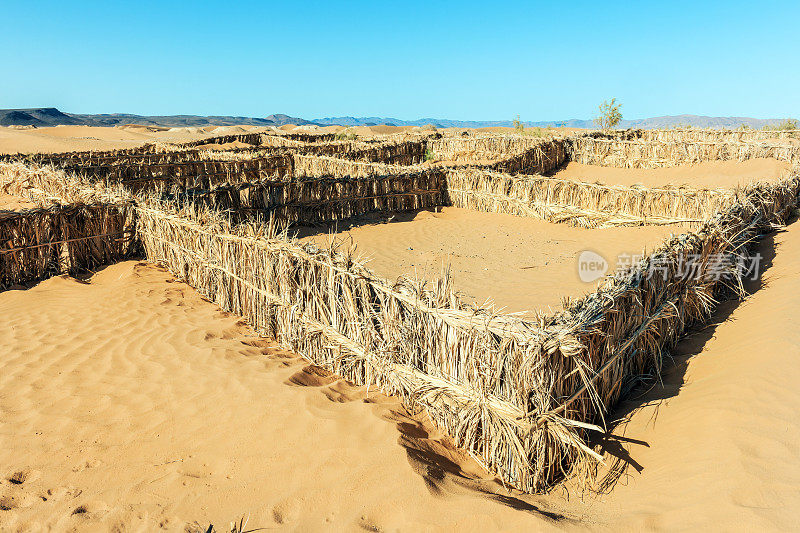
130,403
78,138
10,202
707,175
522,264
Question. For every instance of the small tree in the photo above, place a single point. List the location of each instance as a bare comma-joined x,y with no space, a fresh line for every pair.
610,114
518,125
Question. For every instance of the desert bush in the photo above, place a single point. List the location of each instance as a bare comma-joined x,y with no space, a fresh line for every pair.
610,115
346,135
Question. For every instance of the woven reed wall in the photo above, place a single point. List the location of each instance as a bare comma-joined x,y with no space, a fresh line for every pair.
507,153
579,203
320,200
520,396
38,243
188,174
461,366
605,340
654,154
700,135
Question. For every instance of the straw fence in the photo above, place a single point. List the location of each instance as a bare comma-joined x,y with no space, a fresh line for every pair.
253,139
603,342
189,174
412,340
580,203
653,154
322,200
315,166
520,394
504,153
702,135
71,231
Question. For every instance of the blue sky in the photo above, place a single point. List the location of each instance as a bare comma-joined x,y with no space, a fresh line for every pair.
459,60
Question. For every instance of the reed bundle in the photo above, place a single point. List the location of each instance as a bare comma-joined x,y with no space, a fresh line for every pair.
653,154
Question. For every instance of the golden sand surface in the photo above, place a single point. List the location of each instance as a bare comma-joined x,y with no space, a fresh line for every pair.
130,403
522,264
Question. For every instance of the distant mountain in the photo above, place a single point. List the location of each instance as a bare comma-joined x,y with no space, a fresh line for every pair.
50,116
45,116
646,123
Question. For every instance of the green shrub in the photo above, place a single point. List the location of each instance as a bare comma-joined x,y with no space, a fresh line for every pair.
610,115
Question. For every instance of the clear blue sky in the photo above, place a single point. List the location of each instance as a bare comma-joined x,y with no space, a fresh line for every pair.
460,60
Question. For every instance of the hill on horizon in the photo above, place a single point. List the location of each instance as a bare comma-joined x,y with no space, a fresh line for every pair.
50,116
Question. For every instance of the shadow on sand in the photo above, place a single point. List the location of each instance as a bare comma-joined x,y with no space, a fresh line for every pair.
654,391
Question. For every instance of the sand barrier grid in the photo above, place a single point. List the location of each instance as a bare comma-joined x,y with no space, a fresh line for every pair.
522,395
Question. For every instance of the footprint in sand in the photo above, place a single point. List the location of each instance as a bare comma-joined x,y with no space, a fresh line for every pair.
24,476
91,510
16,499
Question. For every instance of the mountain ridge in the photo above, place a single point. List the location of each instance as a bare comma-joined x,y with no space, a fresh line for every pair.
50,116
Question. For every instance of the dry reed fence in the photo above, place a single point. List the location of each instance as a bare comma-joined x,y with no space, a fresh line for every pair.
702,135
580,203
71,230
321,200
190,174
520,394
253,139
504,153
591,150
604,341
89,157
